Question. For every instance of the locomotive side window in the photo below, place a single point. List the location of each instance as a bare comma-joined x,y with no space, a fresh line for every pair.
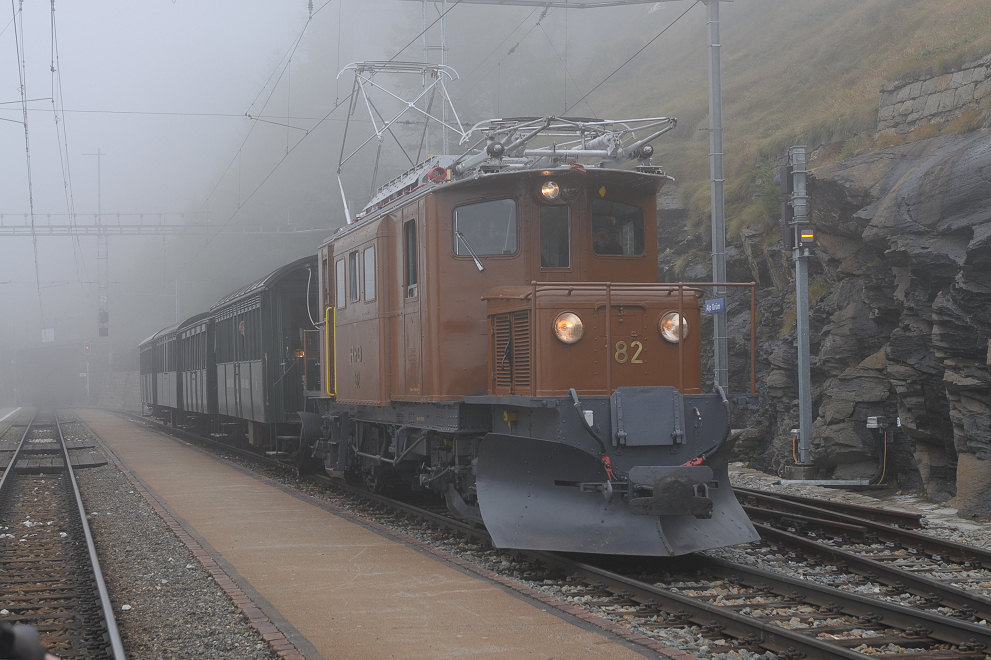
369,258
325,273
339,281
487,228
555,237
617,228
353,283
409,257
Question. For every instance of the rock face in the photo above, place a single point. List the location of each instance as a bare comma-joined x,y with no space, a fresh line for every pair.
901,320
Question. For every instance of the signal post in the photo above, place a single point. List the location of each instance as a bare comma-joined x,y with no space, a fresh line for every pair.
799,236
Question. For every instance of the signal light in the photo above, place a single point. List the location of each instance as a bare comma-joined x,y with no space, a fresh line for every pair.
86,349
805,235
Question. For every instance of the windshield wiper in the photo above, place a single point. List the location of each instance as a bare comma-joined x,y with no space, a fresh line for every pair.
478,264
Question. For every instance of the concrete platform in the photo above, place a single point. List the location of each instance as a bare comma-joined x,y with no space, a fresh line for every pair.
338,587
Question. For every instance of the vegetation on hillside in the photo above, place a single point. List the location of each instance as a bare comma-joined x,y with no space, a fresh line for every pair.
796,72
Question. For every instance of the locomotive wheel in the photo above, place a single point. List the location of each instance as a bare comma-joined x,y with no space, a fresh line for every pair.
352,476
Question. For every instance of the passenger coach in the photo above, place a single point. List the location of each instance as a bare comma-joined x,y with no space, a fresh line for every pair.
237,370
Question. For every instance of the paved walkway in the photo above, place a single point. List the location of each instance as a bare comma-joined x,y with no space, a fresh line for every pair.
351,592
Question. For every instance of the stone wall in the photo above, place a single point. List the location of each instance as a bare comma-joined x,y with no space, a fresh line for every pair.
908,104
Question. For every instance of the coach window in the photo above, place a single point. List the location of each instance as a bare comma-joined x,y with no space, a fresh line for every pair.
339,281
617,228
354,284
409,257
241,339
485,228
369,260
555,237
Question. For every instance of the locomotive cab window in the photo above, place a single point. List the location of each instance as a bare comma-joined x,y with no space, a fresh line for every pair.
485,228
555,237
617,228
339,282
409,257
368,256
354,288
325,285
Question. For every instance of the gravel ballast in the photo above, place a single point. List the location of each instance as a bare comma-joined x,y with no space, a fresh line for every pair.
166,604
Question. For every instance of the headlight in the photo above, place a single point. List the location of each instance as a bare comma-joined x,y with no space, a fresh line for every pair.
550,190
668,326
568,327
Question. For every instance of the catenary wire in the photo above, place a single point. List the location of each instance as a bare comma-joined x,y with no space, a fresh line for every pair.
633,56
62,137
22,74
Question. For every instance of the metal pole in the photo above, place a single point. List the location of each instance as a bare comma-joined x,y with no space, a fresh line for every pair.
446,146
721,345
426,58
445,139
102,263
799,202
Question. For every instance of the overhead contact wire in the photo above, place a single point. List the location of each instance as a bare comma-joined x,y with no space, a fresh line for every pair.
62,136
633,56
22,74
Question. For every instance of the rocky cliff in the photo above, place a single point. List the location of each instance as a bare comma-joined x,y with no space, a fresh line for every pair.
901,320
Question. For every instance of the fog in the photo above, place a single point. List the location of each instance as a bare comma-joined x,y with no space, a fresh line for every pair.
226,116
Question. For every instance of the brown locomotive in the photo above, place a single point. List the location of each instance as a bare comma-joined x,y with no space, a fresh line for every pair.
493,331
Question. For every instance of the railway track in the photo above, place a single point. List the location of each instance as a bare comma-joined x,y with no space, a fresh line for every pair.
760,610
833,509
52,578
939,574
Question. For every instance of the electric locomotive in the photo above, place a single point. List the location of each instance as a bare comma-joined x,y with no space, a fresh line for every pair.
492,330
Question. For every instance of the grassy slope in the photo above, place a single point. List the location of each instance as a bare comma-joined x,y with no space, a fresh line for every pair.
794,72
